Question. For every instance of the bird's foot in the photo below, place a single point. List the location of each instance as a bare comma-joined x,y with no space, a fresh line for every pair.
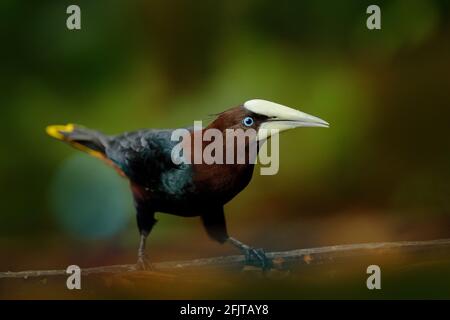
143,263
256,257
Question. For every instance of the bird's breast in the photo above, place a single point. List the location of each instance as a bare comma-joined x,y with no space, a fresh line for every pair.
221,182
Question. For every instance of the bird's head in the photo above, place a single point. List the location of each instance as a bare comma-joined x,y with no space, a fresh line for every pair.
265,117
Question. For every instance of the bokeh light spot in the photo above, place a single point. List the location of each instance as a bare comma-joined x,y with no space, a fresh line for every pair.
89,199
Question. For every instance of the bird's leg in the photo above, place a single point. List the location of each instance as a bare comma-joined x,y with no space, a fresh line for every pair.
214,222
252,256
142,262
145,221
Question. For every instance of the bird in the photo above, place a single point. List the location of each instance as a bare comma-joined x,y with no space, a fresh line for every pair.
188,189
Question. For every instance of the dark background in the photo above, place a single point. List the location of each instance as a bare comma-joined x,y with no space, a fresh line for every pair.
380,173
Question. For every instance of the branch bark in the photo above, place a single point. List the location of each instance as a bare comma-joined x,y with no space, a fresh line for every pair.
426,250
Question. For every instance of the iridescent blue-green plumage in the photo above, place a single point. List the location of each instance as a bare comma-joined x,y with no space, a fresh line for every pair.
145,158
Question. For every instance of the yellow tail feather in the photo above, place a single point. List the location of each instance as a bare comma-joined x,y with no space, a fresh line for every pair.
55,130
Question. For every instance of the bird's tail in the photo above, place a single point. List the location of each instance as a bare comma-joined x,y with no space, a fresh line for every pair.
87,140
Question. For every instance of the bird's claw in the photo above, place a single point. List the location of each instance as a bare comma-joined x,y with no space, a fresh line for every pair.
256,257
143,263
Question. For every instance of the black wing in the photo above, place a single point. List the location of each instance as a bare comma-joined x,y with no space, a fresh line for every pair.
142,155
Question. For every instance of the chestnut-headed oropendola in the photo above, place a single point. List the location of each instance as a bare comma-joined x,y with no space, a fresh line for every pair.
160,185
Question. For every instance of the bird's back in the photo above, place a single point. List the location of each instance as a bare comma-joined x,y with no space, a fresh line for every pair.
145,158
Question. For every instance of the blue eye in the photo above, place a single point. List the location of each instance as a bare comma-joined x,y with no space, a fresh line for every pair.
248,121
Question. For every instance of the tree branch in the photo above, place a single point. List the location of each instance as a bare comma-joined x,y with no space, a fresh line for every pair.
427,250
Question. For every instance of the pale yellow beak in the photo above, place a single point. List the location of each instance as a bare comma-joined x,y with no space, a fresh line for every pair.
281,118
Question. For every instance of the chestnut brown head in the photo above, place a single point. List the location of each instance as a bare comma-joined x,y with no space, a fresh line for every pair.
265,117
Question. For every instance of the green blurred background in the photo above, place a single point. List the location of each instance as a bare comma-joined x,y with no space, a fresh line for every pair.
380,173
